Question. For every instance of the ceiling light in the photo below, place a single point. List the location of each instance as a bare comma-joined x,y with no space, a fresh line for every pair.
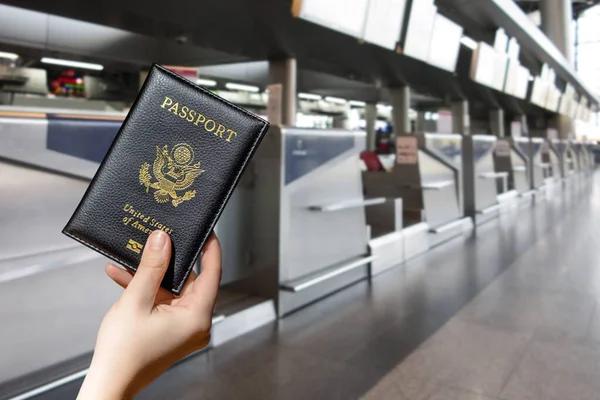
357,103
335,100
206,82
383,107
243,88
10,56
309,96
467,41
74,64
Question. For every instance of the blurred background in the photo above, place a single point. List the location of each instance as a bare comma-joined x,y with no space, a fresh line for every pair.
419,152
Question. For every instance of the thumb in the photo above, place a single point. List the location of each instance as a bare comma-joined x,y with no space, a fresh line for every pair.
142,289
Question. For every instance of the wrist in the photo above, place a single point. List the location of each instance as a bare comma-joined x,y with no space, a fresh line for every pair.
104,384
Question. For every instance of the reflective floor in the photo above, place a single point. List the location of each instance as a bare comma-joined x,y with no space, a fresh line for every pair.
53,291
511,315
534,333
32,223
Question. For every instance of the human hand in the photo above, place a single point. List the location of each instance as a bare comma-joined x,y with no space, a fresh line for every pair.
149,329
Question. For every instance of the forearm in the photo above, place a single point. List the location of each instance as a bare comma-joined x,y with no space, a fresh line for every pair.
147,330
99,385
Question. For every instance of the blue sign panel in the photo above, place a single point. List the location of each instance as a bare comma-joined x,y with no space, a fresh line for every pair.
447,146
537,146
523,145
482,148
89,139
306,152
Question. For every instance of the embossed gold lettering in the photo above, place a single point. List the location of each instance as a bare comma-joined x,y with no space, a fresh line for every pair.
231,133
136,214
168,101
141,227
155,224
184,111
174,108
220,130
213,125
200,120
136,218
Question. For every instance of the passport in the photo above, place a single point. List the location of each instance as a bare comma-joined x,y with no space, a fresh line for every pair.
173,165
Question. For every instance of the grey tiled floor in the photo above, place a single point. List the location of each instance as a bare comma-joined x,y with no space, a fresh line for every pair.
533,333
509,315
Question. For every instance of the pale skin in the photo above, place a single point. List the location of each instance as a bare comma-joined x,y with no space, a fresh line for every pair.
149,329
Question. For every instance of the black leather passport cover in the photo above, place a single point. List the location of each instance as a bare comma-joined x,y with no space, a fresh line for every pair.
173,166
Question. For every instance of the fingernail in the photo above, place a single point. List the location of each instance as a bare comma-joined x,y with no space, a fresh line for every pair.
157,240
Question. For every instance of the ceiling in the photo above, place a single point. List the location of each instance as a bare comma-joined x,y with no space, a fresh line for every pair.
259,30
579,6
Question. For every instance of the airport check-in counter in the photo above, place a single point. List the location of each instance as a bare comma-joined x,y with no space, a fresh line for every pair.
583,165
64,141
293,231
567,157
427,177
532,147
499,175
579,157
47,158
553,170
575,163
551,158
557,146
440,166
509,158
308,213
299,218
580,161
571,157
584,161
591,157
488,183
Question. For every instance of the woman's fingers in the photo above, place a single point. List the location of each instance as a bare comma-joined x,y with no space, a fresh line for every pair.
189,283
141,291
121,276
203,293
144,285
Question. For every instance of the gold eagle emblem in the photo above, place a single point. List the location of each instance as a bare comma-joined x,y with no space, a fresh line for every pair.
173,172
